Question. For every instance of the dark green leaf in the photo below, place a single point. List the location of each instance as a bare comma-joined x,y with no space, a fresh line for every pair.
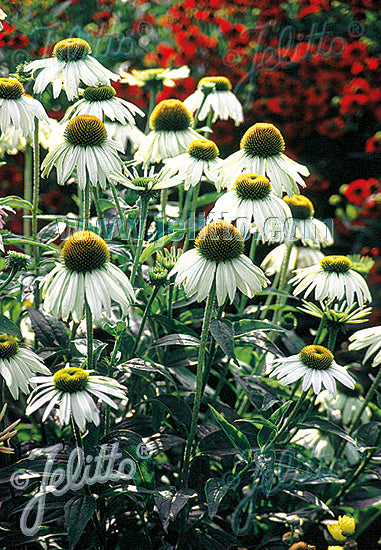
261,340
160,244
237,438
78,512
223,333
177,340
248,325
8,327
215,490
173,325
141,367
177,408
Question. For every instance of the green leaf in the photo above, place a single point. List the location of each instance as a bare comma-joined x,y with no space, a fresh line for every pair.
237,438
223,333
173,325
78,512
177,340
15,202
248,325
268,431
8,327
262,341
208,198
141,367
215,490
177,408
160,244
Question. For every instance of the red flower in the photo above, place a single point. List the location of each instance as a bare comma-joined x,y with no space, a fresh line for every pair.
373,144
332,128
359,190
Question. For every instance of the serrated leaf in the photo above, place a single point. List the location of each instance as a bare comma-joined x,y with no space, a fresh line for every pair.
78,512
8,327
223,332
236,437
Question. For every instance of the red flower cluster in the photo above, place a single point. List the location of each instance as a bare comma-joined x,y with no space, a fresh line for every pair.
362,192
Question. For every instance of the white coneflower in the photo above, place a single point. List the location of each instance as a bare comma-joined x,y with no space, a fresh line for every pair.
18,365
251,199
200,160
300,257
86,273
87,148
166,77
17,109
310,231
219,98
74,390
315,366
367,338
332,278
170,134
261,153
70,64
124,133
3,16
218,256
316,443
345,405
100,101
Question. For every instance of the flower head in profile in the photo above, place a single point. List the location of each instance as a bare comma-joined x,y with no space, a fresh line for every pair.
214,94
86,148
368,338
262,152
101,101
3,16
86,274
300,257
315,366
218,256
346,405
149,77
149,183
18,110
333,279
18,365
70,64
74,390
318,444
251,199
170,134
310,231
200,160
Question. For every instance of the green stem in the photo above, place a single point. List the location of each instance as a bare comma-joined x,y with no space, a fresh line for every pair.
27,193
12,273
142,228
213,349
209,123
320,330
253,247
290,420
154,90
199,383
143,321
89,333
195,121
367,399
170,300
187,202
282,282
163,200
99,211
196,191
36,190
332,338
86,207
270,296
